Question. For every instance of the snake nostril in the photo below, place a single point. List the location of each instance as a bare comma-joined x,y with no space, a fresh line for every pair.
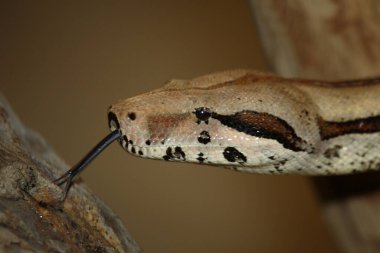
113,122
132,116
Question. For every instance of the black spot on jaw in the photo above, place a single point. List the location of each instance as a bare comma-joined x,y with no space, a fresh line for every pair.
132,116
177,154
148,142
166,157
204,137
201,159
140,152
169,154
231,154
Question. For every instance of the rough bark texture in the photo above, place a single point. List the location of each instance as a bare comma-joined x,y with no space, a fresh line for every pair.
330,39
32,217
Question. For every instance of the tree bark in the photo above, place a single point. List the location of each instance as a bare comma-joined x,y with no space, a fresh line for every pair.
330,39
32,216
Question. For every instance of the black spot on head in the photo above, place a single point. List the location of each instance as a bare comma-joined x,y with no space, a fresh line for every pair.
130,142
204,137
202,114
132,116
147,142
200,154
231,154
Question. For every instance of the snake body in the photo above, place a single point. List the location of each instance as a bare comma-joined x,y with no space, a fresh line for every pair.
256,122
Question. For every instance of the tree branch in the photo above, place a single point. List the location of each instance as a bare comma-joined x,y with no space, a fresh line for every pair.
327,39
32,217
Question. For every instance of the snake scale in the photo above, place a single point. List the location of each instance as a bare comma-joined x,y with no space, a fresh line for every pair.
253,122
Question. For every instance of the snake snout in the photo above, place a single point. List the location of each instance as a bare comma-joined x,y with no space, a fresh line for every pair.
113,122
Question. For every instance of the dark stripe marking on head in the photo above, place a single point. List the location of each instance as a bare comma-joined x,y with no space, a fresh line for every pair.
263,125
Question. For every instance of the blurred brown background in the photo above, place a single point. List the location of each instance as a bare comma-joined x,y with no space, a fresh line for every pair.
63,64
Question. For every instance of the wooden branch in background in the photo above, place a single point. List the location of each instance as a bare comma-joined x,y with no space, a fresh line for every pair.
31,216
330,39
325,39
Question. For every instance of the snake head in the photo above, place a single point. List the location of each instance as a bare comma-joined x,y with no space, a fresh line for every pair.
224,119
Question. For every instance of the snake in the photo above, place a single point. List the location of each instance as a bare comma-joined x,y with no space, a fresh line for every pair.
251,121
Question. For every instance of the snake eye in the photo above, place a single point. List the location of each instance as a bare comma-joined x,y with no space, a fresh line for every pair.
202,113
